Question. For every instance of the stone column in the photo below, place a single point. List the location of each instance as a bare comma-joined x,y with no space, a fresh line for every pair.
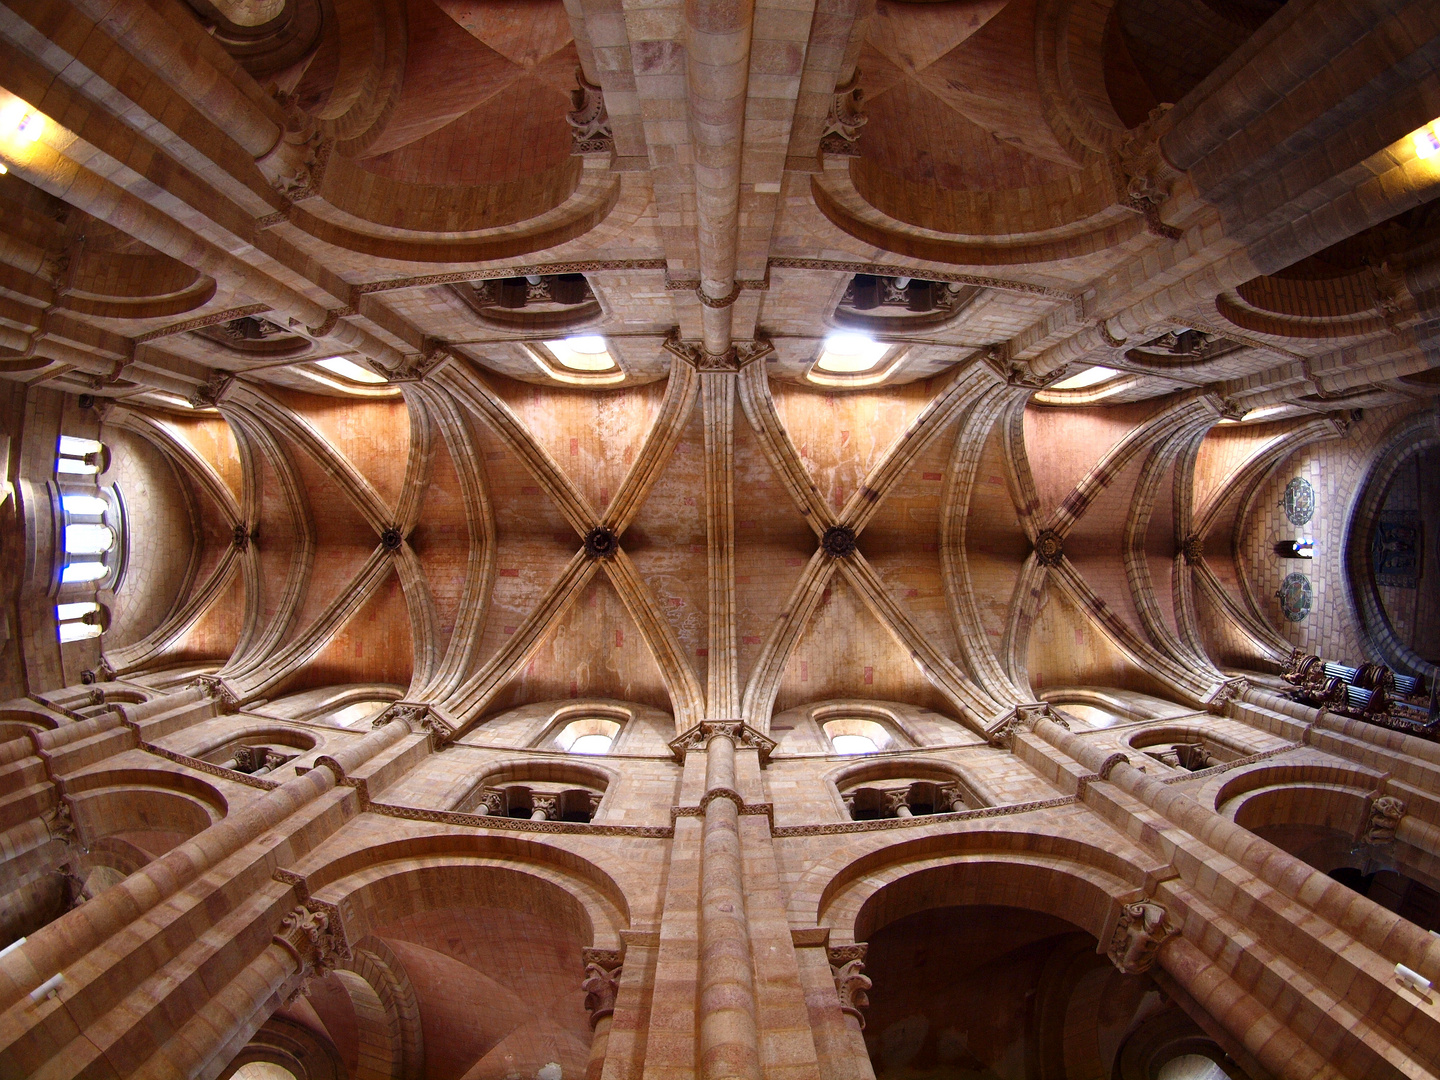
837,1029
729,1043
305,944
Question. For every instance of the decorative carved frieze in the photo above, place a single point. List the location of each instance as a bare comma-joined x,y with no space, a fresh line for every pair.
603,968
841,133
1385,815
847,965
699,736
1143,928
589,122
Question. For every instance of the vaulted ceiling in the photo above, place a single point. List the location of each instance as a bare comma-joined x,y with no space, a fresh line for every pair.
210,209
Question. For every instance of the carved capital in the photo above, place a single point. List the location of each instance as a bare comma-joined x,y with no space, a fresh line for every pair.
1024,718
418,717
212,392
741,354
309,937
214,688
1228,691
699,736
1143,928
61,823
841,133
603,968
1385,815
847,965
590,131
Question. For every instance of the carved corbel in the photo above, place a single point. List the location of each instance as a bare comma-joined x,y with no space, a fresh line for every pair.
1143,929
847,965
602,982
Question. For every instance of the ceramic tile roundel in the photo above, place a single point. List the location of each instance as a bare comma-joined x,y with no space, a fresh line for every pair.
1295,596
1299,501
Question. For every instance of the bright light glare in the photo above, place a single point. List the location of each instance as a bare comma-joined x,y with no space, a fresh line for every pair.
1427,142
67,612
1088,377
348,369
20,122
78,631
586,352
78,447
84,504
850,354
88,539
591,744
853,744
82,571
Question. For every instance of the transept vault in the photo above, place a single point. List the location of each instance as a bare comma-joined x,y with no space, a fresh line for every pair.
719,539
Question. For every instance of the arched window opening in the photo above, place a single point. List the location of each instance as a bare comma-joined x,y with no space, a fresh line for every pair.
81,620
80,457
359,713
262,1070
588,735
1191,756
1191,1067
853,735
919,798
80,572
93,539
81,507
1295,549
537,803
257,760
88,539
